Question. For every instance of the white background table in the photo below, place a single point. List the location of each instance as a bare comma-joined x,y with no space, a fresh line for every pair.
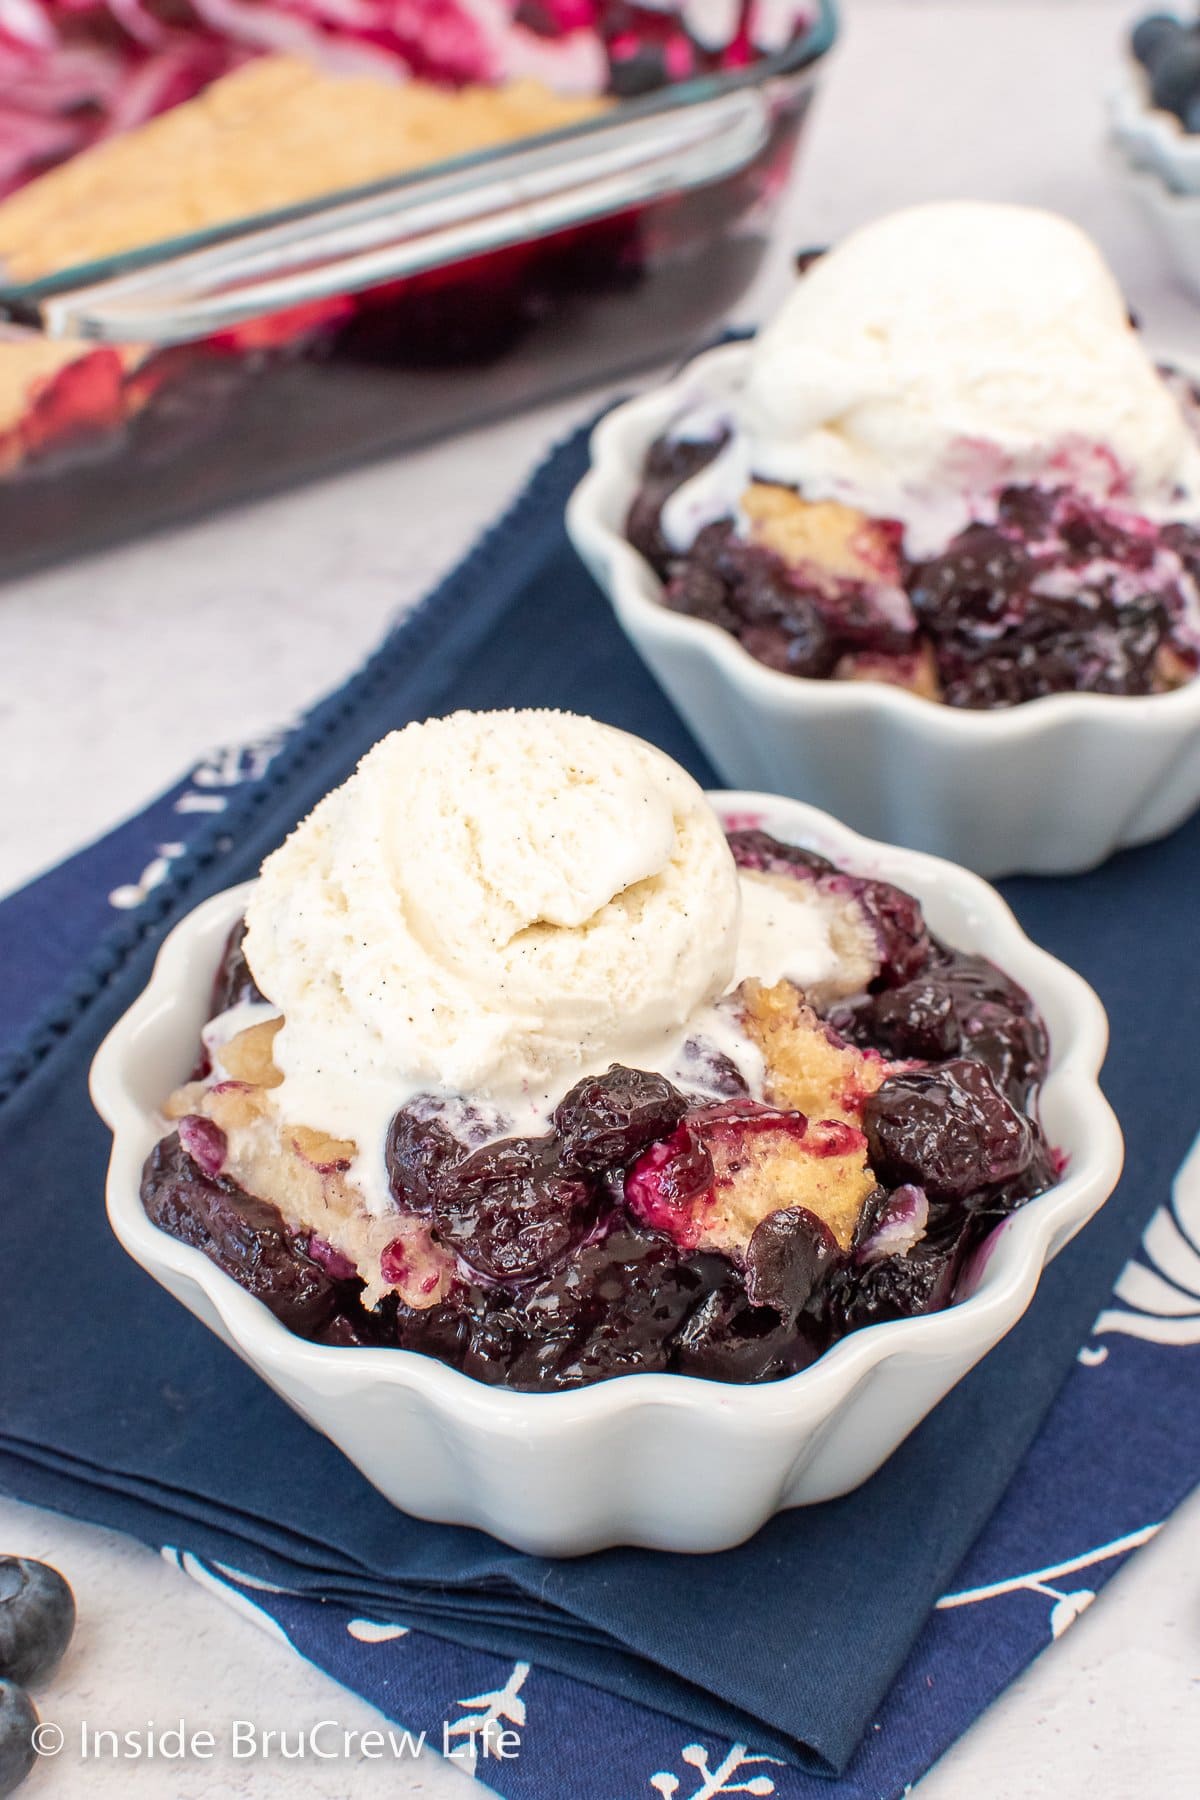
120,671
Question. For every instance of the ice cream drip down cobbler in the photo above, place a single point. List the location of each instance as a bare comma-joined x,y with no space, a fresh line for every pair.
523,1059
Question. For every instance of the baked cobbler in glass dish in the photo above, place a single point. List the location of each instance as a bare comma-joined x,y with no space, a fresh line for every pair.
524,1059
240,245
948,464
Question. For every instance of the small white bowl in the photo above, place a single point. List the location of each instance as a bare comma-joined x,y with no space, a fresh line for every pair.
1150,137
1049,787
1174,216
665,1461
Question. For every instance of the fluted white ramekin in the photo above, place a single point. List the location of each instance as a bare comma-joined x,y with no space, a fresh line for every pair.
660,1460
1050,787
1150,137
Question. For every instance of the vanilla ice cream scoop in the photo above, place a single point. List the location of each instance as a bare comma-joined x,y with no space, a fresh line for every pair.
941,352
492,903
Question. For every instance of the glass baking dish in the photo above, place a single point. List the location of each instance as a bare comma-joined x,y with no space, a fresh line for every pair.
235,362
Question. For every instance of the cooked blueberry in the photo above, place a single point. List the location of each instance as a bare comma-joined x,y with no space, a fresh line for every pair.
611,1309
949,1130
670,461
1184,540
643,528
719,549
990,682
1151,35
789,1256
728,1338
37,1617
1012,1045
1175,75
974,588
244,1236
1043,1170
664,1188
899,926
418,1149
233,982
18,1718
765,594
511,1210
620,1307
799,643
770,856
1029,511
605,1121
204,1142
917,1020
701,594
709,1071
639,73
896,1287
346,1330
1088,535
960,1005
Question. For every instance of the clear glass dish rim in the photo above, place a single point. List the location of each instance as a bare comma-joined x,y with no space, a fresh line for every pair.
796,58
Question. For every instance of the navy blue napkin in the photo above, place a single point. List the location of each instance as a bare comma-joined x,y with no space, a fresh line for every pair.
117,1407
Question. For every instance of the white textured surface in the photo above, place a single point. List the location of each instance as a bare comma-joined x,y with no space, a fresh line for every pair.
151,1645
120,671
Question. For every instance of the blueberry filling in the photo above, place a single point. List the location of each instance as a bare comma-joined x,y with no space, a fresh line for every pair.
1054,595
597,1249
233,983
244,1236
512,1210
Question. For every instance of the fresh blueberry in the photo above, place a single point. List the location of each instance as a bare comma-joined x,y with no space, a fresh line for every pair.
1175,77
1151,35
37,1617
18,1717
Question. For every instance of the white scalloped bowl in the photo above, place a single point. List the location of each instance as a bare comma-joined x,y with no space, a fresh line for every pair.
666,1461
1150,137
1049,787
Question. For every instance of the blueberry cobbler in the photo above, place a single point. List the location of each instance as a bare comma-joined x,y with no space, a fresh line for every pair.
950,466
523,1061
